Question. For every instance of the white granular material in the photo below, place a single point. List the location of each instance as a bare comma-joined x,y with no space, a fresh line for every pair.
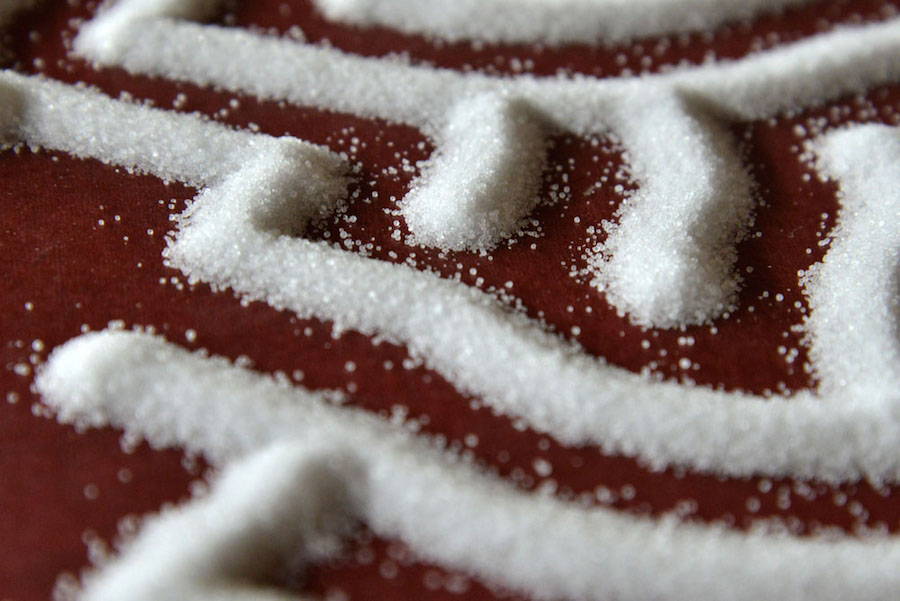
854,293
693,201
232,236
667,262
457,207
311,468
285,508
548,21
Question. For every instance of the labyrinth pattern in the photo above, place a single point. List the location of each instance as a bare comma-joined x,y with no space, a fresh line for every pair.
312,469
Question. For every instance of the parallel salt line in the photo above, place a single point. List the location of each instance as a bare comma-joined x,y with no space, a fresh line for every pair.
42,112
258,522
232,236
548,21
519,370
87,124
444,509
456,207
809,72
844,61
854,294
700,216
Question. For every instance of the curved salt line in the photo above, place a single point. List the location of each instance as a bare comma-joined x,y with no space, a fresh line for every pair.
521,371
699,214
278,510
442,507
551,22
232,236
808,72
171,146
854,294
457,207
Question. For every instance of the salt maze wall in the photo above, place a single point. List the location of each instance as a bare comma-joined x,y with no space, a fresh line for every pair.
302,466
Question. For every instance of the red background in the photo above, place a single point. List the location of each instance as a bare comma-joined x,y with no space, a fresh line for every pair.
63,271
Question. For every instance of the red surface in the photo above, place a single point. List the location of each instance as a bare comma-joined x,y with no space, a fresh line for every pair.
64,270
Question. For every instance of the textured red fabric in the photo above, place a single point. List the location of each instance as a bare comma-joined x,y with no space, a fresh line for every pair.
81,244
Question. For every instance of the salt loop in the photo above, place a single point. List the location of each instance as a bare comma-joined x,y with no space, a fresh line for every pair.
299,471
302,469
702,220
548,21
233,235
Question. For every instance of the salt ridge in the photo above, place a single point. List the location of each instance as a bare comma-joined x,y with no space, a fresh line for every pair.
444,510
319,460
510,363
459,208
696,182
45,113
276,513
854,321
548,21
232,235
468,339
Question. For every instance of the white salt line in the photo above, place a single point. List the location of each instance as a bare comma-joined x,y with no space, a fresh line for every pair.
703,187
85,123
548,21
232,236
443,508
670,258
854,294
505,359
280,511
844,61
456,207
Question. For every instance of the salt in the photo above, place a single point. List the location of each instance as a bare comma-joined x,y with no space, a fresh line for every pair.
691,207
302,470
545,21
